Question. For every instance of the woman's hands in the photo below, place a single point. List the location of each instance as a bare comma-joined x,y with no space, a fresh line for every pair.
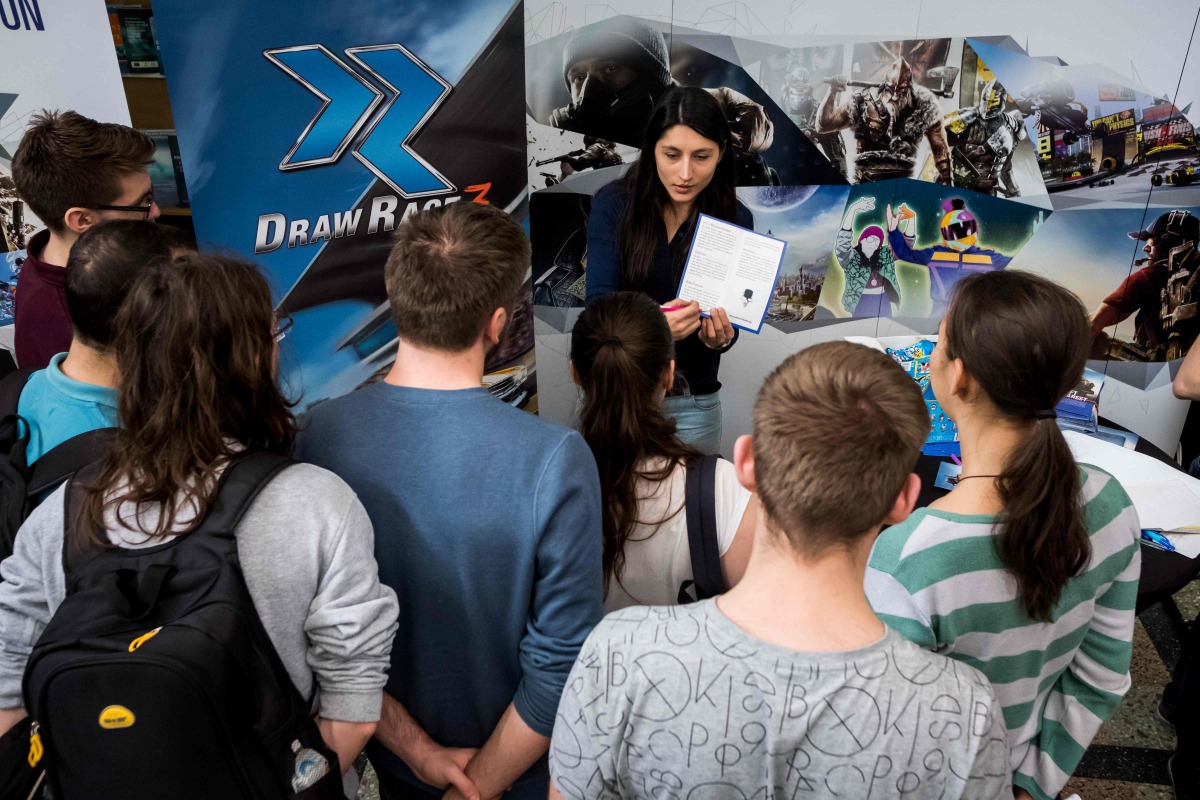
683,317
716,331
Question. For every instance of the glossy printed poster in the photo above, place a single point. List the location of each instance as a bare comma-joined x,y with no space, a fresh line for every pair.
307,137
56,56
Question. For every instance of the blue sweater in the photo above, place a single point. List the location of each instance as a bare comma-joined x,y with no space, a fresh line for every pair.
696,362
487,526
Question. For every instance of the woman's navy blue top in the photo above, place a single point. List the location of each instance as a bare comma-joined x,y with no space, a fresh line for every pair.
697,362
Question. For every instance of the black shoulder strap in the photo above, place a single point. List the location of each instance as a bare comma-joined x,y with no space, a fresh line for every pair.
62,461
701,507
14,434
11,388
240,484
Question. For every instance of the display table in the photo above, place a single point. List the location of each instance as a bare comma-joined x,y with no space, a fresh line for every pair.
1163,573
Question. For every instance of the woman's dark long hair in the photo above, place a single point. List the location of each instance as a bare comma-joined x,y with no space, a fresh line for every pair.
195,344
1025,340
621,347
643,221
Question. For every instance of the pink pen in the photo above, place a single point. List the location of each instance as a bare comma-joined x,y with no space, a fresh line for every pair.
673,308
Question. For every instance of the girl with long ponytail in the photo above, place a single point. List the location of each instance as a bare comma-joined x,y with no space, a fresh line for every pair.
622,356
1028,568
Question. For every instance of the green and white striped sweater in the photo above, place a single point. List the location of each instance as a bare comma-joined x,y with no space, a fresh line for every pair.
937,580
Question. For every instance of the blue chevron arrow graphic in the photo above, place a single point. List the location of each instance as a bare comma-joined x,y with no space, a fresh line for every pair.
349,103
417,93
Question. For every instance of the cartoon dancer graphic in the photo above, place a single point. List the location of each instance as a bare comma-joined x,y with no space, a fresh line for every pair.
955,257
870,266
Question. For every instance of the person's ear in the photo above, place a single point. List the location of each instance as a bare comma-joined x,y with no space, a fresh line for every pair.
575,374
906,501
668,377
495,327
743,462
78,219
962,385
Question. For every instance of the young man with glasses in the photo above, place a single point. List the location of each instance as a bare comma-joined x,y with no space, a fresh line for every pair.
72,172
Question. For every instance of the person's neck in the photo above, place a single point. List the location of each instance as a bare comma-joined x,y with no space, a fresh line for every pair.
426,368
89,365
678,212
987,440
804,604
57,250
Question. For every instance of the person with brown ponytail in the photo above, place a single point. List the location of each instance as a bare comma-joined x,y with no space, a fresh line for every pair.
623,356
1028,569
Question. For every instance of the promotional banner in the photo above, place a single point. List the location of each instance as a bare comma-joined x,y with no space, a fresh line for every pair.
307,138
59,55
977,143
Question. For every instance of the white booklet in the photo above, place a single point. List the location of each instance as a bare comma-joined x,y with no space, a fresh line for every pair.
732,268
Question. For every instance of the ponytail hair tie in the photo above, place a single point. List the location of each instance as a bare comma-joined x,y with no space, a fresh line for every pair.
1045,414
611,340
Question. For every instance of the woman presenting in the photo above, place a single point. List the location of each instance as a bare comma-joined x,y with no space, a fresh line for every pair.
638,237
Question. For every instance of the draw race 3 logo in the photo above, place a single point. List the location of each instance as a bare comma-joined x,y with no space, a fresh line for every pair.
373,106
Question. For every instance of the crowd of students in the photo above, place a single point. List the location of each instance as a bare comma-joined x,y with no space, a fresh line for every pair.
434,572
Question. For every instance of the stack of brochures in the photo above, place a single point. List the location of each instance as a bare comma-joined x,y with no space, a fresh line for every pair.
1080,409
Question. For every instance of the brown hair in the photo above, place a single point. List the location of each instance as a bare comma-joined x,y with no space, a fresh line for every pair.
621,347
838,428
450,269
195,345
642,222
1025,340
67,160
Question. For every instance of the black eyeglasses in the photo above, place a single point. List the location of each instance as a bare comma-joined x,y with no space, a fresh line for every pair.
132,209
283,324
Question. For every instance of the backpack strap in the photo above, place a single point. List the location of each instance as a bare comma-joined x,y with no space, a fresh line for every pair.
237,489
701,507
14,431
11,388
64,460
240,485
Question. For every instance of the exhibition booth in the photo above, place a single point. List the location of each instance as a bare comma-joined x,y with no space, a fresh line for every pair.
302,140
879,160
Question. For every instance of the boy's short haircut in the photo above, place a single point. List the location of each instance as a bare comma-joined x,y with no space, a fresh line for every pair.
104,262
838,428
450,269
67,160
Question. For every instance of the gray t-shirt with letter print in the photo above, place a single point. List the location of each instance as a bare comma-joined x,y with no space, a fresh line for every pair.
678,702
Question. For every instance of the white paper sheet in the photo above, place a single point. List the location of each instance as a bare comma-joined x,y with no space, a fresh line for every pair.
732,268
1165,505
1127,466
1135,469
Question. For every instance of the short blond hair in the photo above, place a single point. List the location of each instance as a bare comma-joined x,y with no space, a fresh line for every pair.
838,428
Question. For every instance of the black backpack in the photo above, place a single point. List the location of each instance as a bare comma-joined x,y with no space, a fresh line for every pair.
23,486
155,678
700,502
